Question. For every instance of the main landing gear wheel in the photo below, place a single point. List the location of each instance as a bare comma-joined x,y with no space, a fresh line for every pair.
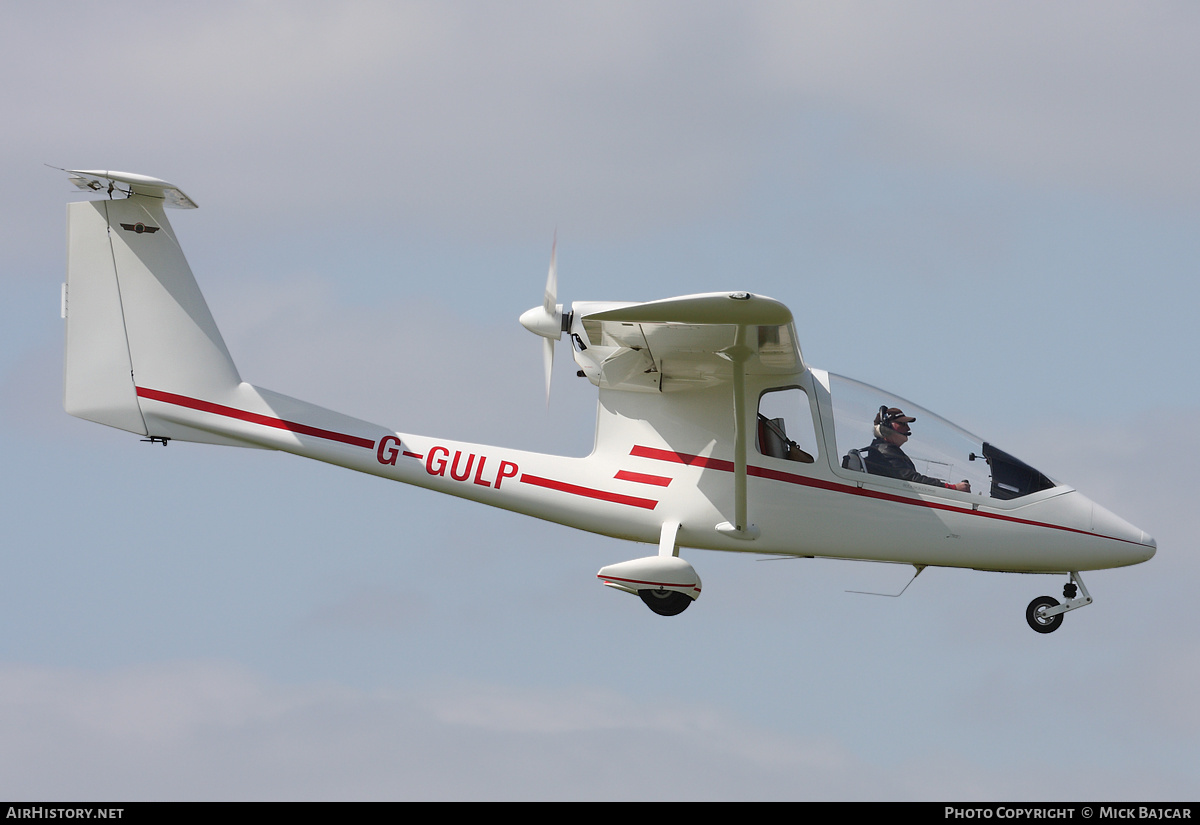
1040,623
667,602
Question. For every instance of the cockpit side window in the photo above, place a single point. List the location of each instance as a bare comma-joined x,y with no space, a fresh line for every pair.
785,427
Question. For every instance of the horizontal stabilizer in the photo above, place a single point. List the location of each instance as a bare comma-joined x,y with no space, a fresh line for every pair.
169,193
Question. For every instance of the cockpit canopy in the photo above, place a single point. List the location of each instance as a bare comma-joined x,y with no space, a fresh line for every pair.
937,448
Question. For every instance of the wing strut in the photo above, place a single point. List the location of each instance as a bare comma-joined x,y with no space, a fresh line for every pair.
738,355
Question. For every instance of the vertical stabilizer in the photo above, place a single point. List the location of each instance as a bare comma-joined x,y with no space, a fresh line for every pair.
98,374
135,318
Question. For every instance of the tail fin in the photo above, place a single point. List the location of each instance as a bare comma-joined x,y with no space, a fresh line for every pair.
135,317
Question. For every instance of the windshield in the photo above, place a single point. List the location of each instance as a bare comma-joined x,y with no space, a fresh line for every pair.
880,433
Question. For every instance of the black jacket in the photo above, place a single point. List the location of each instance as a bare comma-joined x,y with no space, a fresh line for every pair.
886,459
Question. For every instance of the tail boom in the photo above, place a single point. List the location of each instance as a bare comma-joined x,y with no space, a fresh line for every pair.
553,488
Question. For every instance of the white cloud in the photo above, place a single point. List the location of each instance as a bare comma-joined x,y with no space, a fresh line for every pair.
610,116
203,730
1099,95
196,730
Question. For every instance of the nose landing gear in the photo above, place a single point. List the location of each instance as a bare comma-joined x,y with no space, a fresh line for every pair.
1045,614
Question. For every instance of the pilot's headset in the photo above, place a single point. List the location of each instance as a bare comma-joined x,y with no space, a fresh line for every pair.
887,416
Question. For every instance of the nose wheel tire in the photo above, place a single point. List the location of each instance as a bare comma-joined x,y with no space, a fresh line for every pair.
1039,622
667,602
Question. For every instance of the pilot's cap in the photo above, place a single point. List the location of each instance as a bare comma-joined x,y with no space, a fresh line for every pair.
889,415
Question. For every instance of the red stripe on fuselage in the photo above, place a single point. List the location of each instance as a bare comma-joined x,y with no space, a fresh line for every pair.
253,418
589,492
643,478
682,458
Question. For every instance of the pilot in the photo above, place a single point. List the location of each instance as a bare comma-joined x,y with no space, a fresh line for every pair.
885,458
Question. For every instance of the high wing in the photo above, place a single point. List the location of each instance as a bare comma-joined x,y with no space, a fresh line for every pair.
684,343
712,341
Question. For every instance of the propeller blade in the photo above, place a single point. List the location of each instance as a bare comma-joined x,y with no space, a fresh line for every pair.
548,364
550,301
547,320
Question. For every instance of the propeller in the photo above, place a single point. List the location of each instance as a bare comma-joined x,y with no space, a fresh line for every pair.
547,320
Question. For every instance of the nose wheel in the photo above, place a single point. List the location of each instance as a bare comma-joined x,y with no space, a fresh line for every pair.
1045,614
1035,614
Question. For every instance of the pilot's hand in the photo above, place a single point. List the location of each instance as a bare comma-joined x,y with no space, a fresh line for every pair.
963,486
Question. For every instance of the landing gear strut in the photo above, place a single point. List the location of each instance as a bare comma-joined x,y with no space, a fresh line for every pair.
1045,614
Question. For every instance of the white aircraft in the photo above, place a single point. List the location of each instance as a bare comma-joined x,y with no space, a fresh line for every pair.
712,431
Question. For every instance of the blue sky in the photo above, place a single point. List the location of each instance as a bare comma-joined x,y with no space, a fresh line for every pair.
990,209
